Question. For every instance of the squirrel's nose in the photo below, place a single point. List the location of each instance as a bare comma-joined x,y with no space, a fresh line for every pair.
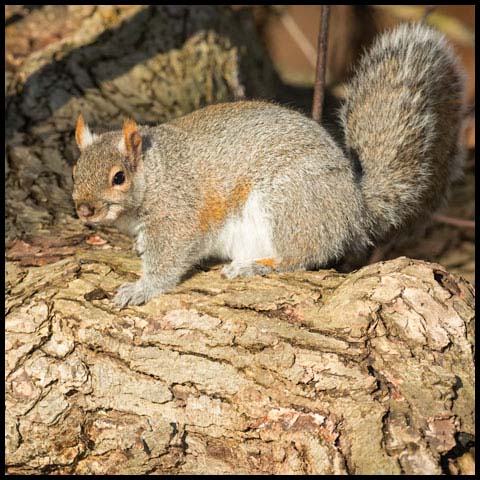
85,210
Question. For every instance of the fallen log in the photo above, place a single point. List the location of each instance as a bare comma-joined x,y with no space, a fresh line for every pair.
306,372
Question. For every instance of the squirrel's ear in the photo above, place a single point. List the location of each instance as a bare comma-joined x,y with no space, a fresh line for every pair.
132,141
83,136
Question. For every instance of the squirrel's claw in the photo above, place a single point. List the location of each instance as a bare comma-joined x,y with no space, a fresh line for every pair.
130,294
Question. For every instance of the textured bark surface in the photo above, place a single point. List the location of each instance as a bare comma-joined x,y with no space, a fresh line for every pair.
307,372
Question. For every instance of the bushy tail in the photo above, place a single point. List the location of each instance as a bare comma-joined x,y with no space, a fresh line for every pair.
403,120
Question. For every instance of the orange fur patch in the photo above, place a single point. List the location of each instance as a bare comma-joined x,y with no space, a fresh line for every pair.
132,137
216,208
213,210
79,131
268,262
239,195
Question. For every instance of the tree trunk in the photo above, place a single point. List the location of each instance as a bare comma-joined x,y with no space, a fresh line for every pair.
305,372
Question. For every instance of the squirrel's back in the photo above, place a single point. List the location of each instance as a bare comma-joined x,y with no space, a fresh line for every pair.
402,121
258,139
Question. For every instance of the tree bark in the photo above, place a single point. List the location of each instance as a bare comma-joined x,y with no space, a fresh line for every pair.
305,372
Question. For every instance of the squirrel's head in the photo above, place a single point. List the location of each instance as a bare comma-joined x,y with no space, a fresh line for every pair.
108,175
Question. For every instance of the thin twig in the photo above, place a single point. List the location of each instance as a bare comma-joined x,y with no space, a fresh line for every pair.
457,222
428,10
319,91
300,39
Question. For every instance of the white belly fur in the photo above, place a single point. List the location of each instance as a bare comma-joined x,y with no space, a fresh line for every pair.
248,235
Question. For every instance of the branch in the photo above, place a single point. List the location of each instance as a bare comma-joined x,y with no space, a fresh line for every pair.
319,91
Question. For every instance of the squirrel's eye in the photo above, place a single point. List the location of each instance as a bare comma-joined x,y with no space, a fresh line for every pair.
119,178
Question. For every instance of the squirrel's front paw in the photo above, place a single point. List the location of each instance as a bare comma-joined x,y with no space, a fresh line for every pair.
130,294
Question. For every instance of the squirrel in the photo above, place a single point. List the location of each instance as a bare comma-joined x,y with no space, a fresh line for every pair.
267,188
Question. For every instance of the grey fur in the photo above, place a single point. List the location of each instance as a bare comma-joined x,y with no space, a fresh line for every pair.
402,117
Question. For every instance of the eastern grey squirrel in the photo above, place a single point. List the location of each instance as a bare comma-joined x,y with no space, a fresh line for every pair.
266,187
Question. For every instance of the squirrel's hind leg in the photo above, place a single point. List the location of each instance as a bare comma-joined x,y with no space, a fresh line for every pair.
248,268
261,266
